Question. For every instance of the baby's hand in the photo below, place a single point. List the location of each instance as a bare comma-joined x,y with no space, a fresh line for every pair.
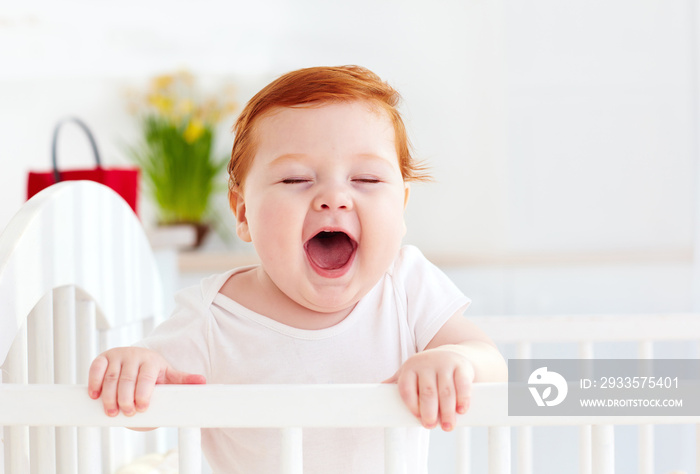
435,385
125,378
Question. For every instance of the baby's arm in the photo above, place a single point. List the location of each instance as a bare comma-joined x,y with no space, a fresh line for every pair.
436,384
125,378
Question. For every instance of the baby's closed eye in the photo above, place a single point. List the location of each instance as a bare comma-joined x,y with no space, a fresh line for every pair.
296,180
366,179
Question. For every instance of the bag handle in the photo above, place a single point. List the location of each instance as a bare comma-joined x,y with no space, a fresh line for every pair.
56,174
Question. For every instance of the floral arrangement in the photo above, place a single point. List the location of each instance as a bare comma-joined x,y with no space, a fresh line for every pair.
175,152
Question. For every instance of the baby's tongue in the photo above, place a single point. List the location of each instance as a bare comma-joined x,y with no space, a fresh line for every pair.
330,250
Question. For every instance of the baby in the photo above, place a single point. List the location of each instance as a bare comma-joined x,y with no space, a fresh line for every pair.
319,180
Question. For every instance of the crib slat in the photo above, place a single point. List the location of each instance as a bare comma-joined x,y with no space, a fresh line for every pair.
189,440
17,437
525,450
464,441
42,439
40,341
64,370
646,432
89,450
646,449
393,448
42,446
499,450
292,451
109,463
108,446
585,450
15,367
585,350
603,448
66,449
524,351
17,448
89,460
86,332
697,447
64,334
585,453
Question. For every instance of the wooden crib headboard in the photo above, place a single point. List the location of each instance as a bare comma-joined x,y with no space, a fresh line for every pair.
83,234
74,263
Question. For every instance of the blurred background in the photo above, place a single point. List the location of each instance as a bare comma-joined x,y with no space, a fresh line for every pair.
563,136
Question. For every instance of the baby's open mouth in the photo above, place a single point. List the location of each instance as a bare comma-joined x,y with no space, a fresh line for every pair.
330,250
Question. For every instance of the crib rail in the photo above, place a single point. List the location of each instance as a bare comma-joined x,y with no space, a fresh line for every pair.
276,406
591,328
293,407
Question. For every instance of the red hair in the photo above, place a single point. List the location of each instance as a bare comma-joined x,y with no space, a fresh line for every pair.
313,86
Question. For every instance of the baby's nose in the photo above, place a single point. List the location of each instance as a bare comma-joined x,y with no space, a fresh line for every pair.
333,198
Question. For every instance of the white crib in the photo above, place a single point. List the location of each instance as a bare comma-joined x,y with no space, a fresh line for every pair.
77,276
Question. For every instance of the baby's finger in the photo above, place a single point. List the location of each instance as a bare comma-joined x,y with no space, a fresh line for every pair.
96,376
447,398
127,388
194,379
463,387
178,377
428,399
110,386
408,389
145,383
393,379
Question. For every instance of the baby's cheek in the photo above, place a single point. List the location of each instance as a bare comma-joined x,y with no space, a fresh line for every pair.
271,222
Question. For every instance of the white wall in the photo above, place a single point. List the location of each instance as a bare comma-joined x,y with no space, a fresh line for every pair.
601,125
551,127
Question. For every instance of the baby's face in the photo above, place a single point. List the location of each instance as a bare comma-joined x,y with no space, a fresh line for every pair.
323,202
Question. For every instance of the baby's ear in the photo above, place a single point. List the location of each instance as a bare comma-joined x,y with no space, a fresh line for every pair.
237,204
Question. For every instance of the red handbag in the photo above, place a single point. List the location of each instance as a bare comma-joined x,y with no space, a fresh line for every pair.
125,181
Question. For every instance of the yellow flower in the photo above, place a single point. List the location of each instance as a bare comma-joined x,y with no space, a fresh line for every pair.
184,77
194,130
162,82
162,103
184,107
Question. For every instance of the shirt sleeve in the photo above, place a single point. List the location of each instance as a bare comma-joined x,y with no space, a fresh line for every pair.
183,338
431,298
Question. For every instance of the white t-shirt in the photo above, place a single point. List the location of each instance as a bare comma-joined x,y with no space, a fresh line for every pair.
212,335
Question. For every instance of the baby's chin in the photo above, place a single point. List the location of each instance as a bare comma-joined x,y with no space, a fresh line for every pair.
330,303
321,313
328,299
